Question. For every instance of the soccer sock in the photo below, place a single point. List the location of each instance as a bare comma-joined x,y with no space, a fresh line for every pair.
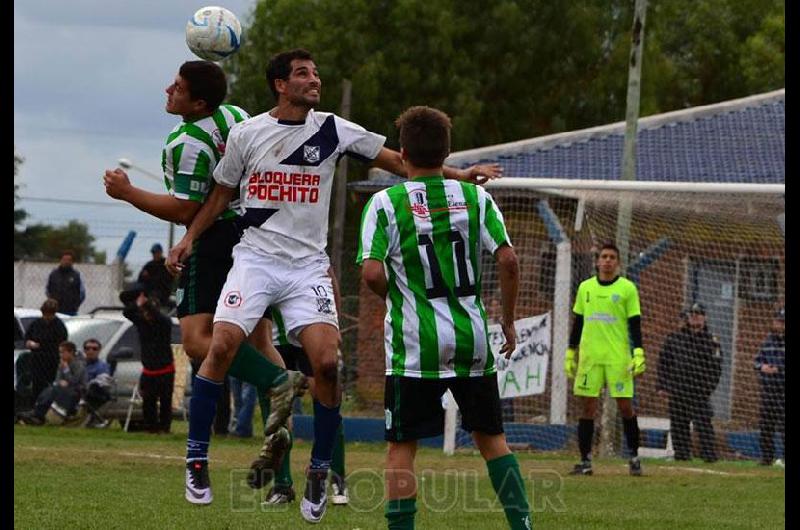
585,433
337,464
400,513
631,428
264,407
507,482
284,476
326,421
202,407
250,366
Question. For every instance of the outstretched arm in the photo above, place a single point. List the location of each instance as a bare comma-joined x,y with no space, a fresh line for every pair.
391,161
161,205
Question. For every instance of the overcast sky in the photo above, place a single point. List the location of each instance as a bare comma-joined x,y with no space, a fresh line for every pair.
89,80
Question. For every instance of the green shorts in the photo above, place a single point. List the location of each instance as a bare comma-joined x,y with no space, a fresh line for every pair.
591,378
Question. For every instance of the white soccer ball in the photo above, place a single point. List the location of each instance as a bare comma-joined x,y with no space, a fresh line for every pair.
213,33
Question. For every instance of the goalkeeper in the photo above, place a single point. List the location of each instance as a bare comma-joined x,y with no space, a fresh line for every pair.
607,324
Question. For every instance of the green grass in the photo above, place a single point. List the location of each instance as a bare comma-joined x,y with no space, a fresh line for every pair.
65,478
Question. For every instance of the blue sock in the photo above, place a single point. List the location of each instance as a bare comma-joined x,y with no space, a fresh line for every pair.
202,407
326,423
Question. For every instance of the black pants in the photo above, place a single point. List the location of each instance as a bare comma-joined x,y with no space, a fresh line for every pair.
682,412
156,391
66,398
772,419
43,371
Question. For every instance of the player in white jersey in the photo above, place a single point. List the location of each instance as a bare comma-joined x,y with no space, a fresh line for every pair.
420,248
281,165
191,152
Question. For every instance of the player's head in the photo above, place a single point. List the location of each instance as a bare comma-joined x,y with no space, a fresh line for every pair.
424,136
198,89
696,316
607,259
293,75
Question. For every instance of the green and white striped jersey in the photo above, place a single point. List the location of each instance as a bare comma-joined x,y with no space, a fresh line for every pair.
192,151
430,233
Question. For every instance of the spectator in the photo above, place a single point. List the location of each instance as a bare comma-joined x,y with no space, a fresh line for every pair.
158,369
65,393
65,285
156,278
94,365
689,368
245,396
43,338
771,366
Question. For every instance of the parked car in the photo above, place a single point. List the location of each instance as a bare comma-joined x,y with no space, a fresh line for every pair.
121,347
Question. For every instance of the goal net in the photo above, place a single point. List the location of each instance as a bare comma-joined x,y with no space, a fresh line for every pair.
717,245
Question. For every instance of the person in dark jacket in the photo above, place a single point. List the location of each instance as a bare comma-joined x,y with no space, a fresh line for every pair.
65,392
771,366
158,369
156,278
65,285
42,338
689,369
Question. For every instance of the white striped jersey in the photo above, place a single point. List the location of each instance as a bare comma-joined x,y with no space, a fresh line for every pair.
430,233
284,170
193,150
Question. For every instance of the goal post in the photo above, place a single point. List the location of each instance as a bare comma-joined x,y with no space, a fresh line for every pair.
718,244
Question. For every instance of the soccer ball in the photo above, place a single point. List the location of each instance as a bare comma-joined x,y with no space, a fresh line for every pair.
213,33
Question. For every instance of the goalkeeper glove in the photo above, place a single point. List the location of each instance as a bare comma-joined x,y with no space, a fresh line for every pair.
570,365
637,365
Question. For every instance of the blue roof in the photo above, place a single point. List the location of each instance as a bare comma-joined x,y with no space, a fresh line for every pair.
740,141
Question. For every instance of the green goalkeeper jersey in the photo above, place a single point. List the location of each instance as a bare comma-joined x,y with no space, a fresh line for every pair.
192,151
606,310
430,233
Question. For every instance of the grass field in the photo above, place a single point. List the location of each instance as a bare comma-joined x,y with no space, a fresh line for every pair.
81,478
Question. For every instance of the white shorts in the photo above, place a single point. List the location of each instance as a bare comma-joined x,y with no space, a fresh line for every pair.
300,289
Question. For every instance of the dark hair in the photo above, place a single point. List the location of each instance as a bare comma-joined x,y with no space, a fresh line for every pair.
68,252
92,341
424,135
607,245
280,66
68,345
206,81
49,306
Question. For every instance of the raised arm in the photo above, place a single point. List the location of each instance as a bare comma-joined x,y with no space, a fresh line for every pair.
161,205
391,161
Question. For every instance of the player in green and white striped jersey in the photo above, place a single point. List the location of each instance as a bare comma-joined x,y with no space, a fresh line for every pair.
192,151
420,247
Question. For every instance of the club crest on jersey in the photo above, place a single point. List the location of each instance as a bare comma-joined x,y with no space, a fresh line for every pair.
615,298
311,153
419,203
233,299
216,137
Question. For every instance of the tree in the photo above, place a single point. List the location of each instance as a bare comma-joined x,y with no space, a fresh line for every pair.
19,214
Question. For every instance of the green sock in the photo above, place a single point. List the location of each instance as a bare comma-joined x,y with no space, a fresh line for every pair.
284,476
337,464
249,365
400,513
510,488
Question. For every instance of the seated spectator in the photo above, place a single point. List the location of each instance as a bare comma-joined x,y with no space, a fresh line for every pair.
100,383
65,393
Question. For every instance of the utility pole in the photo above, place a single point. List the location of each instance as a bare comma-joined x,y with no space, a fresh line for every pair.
608,421
340,192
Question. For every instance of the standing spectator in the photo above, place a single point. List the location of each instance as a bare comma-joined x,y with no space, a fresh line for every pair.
65,392
158,369
42,338
771,366
689,368
156,278
65,285
245,396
